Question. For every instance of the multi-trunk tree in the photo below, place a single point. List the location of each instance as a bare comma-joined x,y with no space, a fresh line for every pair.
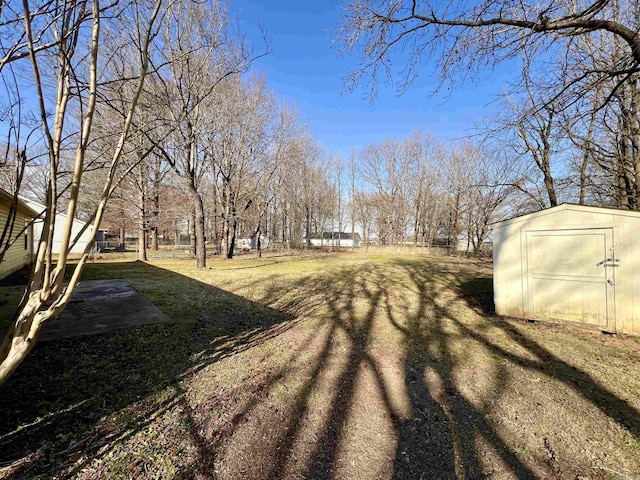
245,150
71,36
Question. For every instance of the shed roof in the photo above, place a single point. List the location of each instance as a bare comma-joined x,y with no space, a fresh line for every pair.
568,206
40,210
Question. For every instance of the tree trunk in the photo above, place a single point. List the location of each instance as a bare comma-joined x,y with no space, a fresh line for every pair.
232,240
153,231
22,335
551,191
199,226
258,243
353,233
153,238
587,151
142,244
142,227
308,228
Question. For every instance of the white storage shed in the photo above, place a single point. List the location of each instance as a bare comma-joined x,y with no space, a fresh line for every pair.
570,263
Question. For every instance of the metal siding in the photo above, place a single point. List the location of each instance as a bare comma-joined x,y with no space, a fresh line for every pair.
507,270
510,269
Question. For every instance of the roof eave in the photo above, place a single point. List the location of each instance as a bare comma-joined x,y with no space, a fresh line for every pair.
561,207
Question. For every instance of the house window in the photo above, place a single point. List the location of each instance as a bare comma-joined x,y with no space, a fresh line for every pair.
26,241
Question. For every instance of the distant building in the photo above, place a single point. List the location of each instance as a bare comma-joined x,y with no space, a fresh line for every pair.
102,239
264,242
251,243
336,239
243,244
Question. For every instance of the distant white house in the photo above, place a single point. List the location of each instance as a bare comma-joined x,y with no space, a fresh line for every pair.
243,243
60,221
251,243
335,239
264,242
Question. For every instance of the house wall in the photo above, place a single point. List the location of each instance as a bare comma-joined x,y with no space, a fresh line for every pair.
510,263
264,242
78,248
17,256
243,243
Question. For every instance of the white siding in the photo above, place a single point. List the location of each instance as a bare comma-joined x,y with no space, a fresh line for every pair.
57,236
61,219
315,242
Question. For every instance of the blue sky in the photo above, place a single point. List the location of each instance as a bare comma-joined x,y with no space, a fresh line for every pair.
305,69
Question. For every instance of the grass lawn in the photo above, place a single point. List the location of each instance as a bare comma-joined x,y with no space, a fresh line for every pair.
337,366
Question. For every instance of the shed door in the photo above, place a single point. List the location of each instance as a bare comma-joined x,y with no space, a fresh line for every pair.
570,277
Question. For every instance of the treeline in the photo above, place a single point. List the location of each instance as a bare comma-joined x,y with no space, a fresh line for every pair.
210,147
272,179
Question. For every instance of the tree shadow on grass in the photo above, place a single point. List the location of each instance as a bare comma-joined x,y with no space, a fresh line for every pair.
441,438
478,293
373,389
436,438
52,403
473,422
328,425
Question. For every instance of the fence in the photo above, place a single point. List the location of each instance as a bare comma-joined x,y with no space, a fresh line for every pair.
172,250
402,250
105,245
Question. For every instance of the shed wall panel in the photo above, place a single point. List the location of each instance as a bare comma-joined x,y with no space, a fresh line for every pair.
508,268
58,231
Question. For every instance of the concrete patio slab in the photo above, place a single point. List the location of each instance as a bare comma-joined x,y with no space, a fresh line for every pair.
99,306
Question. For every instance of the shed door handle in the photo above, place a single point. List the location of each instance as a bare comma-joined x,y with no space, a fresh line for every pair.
609,262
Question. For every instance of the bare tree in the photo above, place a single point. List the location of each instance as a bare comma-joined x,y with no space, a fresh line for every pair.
467,36
352,173
534,133
387,168
602,123
245,150
569,51
364,211
202,50
307,189
490,185
58,30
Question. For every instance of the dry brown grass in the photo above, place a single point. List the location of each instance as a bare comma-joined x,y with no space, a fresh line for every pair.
338,366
